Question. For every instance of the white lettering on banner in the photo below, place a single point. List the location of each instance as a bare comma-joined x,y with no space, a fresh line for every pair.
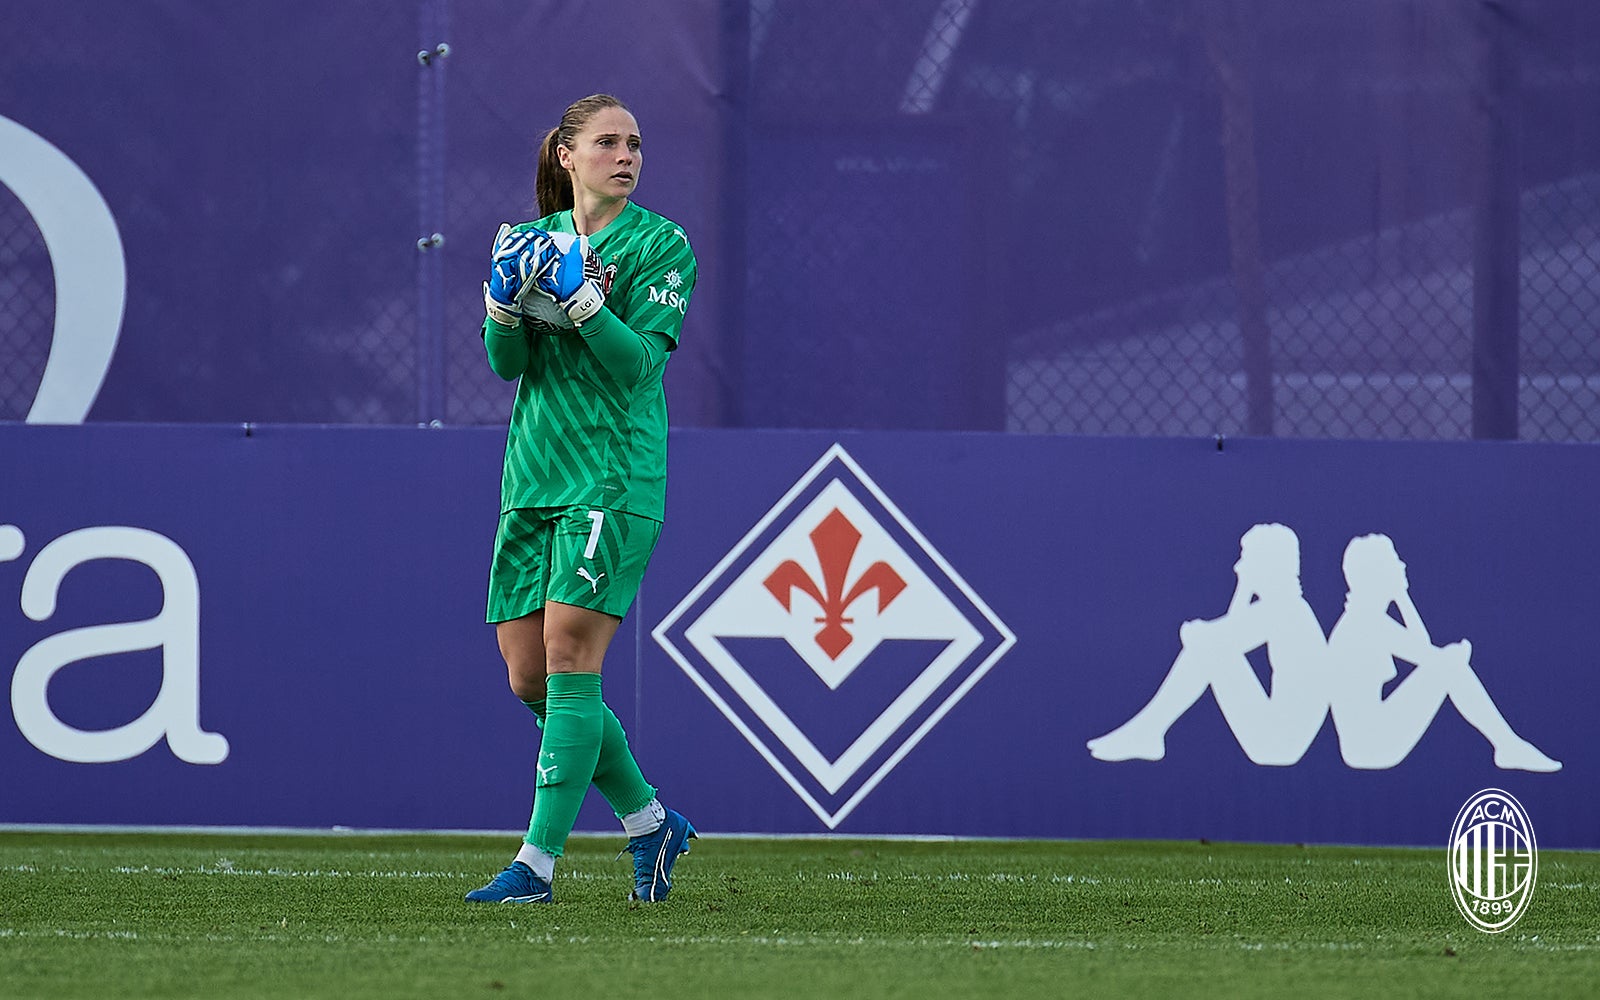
87,261
175,630
1313,677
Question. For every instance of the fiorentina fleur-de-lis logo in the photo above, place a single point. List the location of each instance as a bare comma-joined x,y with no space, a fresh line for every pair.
835,541
832,685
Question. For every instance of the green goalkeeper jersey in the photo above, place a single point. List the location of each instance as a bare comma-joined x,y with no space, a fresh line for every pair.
589,425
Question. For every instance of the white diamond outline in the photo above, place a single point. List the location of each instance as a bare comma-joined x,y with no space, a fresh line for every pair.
1007,637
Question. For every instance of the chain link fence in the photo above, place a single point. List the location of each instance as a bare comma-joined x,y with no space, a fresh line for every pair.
1341,292
1218,217
27,297
260,166
1121,217
1559,394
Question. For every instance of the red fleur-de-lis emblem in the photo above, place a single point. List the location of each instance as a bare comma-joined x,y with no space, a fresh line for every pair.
835,541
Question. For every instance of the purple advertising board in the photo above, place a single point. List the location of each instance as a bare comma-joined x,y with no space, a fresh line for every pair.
868,633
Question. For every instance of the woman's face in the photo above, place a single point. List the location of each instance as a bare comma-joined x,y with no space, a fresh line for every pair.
1265,566
1376,570
605,157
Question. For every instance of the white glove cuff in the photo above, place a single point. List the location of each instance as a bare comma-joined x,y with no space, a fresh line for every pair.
497,311
585,302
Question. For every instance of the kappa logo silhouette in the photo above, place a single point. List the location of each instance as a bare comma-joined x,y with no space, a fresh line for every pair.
834,636
1313,677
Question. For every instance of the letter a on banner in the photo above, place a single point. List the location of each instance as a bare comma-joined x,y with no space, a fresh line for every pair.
175,713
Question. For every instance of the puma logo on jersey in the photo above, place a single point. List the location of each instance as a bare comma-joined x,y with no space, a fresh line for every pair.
593,581
547,774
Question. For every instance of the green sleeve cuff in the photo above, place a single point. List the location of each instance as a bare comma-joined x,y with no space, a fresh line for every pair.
507,347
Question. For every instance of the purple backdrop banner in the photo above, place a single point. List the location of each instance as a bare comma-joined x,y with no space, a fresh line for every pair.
1328,218
879,632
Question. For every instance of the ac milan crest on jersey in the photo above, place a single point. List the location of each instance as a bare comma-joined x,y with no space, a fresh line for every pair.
834,636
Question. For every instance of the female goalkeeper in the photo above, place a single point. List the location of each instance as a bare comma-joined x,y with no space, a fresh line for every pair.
584,308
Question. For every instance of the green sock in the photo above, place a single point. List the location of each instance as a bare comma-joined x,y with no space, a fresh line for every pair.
617,774
537,708
573,726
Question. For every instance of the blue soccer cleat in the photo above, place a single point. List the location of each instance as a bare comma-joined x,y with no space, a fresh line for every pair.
517,884
654,854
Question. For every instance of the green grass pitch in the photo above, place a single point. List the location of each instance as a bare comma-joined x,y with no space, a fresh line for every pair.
235,915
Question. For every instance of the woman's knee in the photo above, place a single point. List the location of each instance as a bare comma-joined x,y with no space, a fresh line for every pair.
526,687
565,653
525,674
575,639
522,648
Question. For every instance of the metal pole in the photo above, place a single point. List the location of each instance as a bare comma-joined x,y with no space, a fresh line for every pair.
734,108
1228,40
1497,237
431,59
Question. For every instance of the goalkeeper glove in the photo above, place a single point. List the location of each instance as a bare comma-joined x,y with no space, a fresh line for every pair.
512,263
560,276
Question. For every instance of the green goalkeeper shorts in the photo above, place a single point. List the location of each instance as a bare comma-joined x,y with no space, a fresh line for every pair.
590,557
